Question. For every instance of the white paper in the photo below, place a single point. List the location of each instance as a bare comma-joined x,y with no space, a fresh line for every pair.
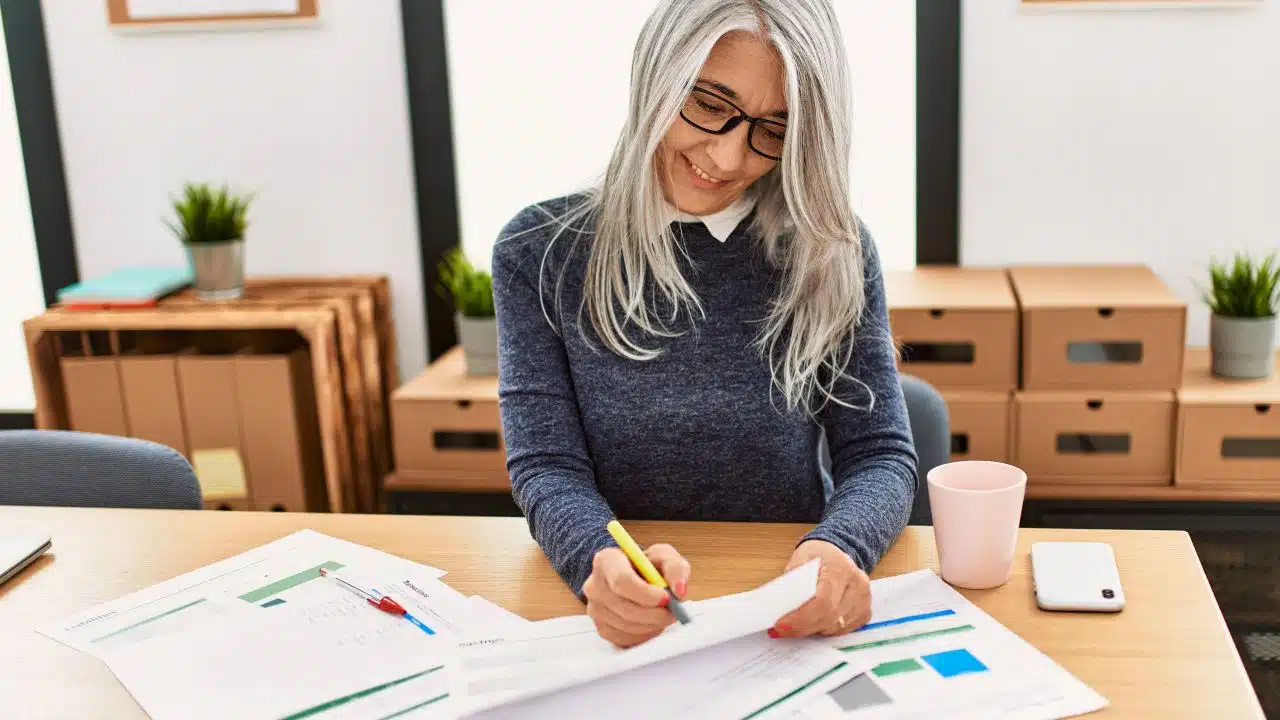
502,617
151,9
727,681
548,657
323,647
215,593
932,653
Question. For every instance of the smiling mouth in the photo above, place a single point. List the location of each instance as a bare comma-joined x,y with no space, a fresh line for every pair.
701,178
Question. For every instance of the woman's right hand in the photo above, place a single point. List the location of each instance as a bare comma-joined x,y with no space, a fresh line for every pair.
625,609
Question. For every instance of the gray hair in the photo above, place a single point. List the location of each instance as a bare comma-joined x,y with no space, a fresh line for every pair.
803,215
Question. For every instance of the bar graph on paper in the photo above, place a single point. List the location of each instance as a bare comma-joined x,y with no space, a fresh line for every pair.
931,653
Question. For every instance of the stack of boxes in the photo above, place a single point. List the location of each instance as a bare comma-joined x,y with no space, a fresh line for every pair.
958,330
1228,430
1102,353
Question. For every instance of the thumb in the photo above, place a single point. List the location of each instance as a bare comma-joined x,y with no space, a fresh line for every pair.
674,568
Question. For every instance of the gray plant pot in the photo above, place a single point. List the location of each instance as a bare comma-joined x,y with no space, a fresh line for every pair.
1242,347
218,269
479,340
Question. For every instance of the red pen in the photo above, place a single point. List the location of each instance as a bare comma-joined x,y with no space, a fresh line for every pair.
384,603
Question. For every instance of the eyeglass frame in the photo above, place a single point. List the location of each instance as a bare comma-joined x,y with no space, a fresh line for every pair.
734,122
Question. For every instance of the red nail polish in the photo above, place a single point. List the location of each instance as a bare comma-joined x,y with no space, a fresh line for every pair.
680,588
781,627
773,633
665,600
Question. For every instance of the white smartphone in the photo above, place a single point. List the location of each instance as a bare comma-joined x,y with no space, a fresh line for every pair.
1076,576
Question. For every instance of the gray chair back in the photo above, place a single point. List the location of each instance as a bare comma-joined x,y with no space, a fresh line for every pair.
931,433
74,469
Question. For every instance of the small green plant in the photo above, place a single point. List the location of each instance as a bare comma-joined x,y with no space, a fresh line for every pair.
1245,288
470,287
208,215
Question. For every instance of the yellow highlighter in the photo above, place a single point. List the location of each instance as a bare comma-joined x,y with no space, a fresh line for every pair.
646,569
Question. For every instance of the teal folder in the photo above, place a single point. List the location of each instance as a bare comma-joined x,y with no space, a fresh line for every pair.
126,286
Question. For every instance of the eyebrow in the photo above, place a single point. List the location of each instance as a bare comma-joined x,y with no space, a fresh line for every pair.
731,94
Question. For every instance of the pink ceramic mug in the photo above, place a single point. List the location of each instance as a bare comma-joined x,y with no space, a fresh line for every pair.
976,508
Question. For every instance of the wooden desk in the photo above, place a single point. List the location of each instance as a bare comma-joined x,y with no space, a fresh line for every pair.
1167,655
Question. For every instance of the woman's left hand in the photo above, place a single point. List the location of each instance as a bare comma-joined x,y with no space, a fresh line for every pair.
842,602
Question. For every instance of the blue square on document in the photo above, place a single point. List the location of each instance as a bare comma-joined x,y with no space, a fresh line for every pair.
954,662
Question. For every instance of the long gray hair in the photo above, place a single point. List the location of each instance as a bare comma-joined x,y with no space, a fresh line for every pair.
803,215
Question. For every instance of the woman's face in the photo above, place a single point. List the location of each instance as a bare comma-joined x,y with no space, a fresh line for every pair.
702,173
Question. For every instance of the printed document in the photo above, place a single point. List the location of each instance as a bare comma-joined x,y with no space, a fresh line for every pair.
490,672
931,653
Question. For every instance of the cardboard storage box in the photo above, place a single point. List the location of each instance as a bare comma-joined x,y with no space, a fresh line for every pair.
151,399
281,435
211,411
957,327
252,429
979,424
446,420
1098,328
95,401
1228,430
1123,438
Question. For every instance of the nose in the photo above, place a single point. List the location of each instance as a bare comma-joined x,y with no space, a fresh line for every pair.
729,151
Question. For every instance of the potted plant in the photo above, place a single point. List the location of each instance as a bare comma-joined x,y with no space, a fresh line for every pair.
1244,298
210,223
472,292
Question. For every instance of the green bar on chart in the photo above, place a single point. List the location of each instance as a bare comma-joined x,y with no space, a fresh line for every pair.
906,638
292,581
146,621
896,666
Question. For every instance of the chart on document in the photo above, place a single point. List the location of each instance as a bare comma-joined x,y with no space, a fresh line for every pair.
281,577
933,653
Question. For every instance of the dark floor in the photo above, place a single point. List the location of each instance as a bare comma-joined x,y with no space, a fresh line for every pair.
1238,545
1244,571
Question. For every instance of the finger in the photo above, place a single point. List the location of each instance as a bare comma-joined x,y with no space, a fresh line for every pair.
645,622
637,617
623,580
674,568
816,614
615,636
847,614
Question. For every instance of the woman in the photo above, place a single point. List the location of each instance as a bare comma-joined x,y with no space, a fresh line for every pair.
677,342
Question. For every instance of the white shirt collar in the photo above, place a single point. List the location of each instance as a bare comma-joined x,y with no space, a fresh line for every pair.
720,224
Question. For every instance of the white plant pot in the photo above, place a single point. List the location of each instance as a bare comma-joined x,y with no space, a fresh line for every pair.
479,340
1242,347
218,269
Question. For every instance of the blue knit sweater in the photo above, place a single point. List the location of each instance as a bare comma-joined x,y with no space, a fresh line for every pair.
699,433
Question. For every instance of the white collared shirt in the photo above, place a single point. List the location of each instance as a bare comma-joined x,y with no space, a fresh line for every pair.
720,224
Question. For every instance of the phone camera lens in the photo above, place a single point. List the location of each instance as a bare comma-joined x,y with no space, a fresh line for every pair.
1108,593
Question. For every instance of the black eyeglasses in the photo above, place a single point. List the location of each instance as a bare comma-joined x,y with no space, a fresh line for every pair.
711,113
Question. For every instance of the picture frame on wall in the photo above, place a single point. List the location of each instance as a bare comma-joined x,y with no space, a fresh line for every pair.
159,14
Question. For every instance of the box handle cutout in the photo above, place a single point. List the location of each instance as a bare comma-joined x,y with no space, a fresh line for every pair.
1251,448
278,508
1101,353
464,404
1094,404
959,444
1262,408
1094,444
463,440
1106,312
943,353
937,313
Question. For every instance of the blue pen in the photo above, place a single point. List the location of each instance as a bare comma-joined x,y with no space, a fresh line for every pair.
384,603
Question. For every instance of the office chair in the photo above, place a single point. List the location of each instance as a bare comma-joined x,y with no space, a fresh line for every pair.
75,469
930,432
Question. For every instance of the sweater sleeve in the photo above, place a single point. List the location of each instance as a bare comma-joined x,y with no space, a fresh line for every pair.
873,459
552,475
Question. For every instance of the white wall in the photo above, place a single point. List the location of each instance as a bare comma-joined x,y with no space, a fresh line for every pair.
21,295
315,119
1146,136
539,97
